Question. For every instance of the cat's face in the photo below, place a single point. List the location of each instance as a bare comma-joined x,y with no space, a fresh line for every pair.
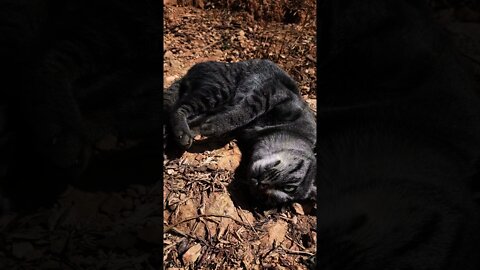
283,177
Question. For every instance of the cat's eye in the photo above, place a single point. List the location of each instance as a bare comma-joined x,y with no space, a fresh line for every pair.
289,188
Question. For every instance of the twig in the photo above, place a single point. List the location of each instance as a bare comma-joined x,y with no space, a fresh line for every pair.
309,57
242,216
177,231
211,44
297,252
283,43
295,242
238,235
169,228
274,247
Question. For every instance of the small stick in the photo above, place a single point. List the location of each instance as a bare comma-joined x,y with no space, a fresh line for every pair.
169,228
297,252
309,57
211,44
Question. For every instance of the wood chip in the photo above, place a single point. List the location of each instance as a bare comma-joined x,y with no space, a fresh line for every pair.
192,254
298,208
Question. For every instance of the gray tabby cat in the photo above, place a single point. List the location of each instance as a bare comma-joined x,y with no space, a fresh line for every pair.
258,104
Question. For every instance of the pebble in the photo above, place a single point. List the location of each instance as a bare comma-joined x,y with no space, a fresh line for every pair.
168,55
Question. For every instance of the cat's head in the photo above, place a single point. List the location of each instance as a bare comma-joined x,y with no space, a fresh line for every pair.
285,176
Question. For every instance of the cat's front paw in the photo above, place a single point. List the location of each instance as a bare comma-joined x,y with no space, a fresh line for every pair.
183,136
182,133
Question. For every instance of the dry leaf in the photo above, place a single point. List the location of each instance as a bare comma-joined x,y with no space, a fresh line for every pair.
192,254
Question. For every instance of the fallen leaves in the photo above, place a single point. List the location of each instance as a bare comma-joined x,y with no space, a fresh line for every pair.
276,232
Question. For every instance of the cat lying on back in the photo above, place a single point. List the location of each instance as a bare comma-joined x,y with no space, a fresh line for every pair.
399,144
259,104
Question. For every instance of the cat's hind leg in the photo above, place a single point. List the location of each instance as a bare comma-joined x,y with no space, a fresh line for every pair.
246,109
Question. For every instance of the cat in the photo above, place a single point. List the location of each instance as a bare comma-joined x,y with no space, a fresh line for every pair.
76,71
399,141
259,104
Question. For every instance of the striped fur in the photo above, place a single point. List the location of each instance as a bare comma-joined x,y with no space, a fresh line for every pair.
259,104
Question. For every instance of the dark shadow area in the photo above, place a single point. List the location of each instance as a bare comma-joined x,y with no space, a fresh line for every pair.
238,189
74,73
173,150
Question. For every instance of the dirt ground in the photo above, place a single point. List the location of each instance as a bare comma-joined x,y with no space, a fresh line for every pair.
207,225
